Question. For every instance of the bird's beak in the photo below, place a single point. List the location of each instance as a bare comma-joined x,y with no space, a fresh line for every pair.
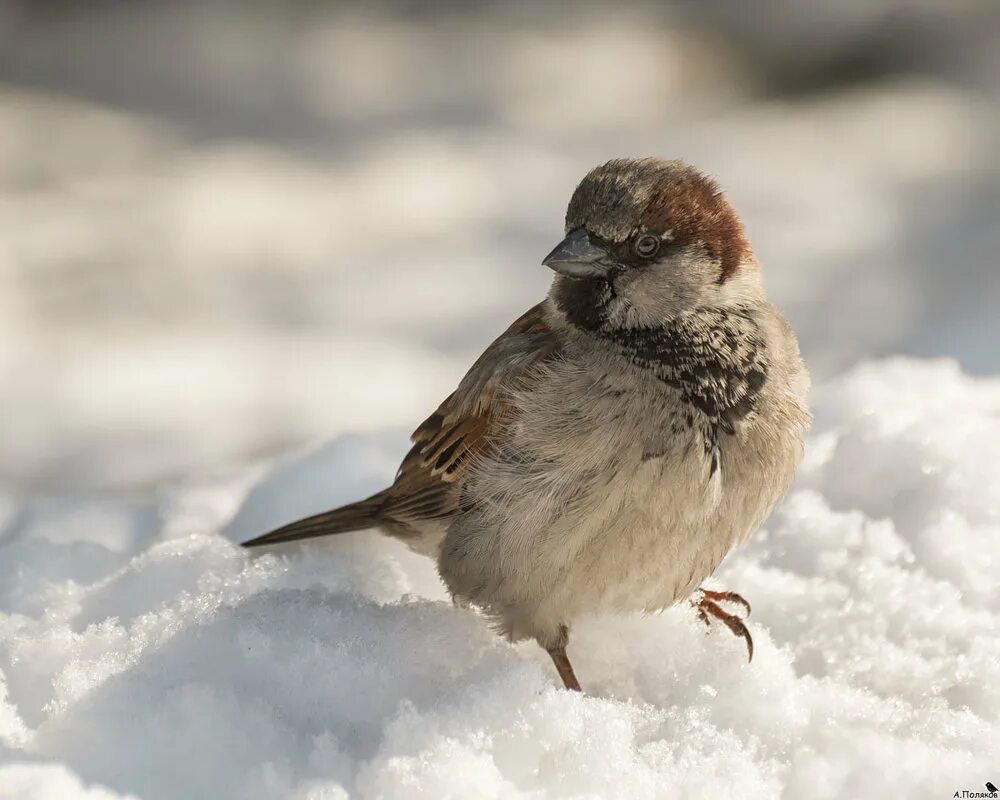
578,256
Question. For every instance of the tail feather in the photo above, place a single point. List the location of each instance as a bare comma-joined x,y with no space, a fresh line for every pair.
352,517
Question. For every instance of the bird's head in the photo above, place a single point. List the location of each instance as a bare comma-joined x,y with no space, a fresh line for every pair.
648,240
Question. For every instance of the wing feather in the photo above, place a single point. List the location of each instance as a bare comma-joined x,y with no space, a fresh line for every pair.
447,443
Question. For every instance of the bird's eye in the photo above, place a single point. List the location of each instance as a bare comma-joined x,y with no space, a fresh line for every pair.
646,245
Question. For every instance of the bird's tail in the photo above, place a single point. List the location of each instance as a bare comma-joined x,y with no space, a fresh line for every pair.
352,517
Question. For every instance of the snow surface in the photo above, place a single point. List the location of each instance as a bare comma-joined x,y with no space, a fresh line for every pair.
143,651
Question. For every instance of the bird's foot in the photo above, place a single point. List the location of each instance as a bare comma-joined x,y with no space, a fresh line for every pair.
708,606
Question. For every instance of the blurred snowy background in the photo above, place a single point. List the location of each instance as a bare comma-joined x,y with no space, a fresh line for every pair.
231,232
228,228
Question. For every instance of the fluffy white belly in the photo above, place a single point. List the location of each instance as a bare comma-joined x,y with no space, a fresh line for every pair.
642,541
615,508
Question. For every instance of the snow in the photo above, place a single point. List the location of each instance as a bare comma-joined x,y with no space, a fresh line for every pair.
143,651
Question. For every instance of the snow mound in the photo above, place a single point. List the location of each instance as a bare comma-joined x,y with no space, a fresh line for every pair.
144,654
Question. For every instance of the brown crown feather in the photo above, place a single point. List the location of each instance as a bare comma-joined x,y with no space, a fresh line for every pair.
692,206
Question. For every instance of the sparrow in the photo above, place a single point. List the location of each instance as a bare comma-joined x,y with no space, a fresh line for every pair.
619,438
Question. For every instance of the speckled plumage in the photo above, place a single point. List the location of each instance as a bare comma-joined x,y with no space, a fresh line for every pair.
609,449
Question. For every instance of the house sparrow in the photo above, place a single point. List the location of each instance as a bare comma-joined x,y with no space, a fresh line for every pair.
621,437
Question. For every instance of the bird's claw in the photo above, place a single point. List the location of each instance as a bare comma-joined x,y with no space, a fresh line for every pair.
726,597
708,606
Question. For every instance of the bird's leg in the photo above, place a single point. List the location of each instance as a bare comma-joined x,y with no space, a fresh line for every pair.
708,606
558,653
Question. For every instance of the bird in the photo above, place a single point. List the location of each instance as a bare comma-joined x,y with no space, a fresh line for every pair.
621,437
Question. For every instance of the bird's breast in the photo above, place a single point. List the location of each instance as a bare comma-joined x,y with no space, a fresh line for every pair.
603,496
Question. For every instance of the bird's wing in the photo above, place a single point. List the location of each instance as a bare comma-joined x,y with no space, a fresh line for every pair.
447,443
